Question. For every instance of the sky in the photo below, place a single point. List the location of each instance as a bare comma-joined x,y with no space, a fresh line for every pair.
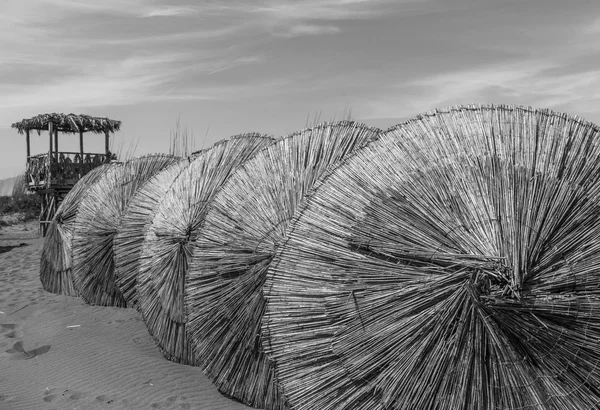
221,68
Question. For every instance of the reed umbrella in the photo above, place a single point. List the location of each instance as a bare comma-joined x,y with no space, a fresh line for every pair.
170,237
96,225
131,232
245,224
453,263
55,262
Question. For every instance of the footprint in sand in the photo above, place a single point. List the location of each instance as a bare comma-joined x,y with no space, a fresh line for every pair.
61,394
20,352
4,398
172,402
4,249
138,340
104,399
9,330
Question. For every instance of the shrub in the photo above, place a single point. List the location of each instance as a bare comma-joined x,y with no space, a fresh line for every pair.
26,204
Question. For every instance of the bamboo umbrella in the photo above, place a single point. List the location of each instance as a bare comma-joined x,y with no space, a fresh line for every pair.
96,225
170,236
453,263
55,263
131,232
245,224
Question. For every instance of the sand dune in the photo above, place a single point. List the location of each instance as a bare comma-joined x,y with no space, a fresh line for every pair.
58,353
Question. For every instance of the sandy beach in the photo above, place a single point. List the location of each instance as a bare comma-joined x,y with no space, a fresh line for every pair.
58,353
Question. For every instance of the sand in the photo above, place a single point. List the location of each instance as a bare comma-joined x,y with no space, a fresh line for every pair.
58,353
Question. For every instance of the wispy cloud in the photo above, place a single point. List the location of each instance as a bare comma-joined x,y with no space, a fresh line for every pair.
310,30
535,83
92,6
170,11
306,17
307,10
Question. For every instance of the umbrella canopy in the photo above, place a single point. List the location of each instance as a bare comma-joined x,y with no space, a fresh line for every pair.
170,237
453,263
55,262
244,226
96,225
131,232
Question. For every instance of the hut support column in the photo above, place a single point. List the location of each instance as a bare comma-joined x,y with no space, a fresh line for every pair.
28,165
80,165
106,150
56,144
81,143
49,159
50,132
28,144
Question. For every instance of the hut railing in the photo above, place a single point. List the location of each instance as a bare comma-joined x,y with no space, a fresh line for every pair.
44,170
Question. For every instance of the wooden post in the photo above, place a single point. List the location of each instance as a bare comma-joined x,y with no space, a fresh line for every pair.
50,130
81,144
49,159
28,145
56,144
106,135
80,165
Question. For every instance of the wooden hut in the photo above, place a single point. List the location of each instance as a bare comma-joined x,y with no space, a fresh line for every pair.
52,174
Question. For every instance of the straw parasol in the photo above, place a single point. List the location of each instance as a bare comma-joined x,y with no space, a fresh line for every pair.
55,263
131,232
245,224
170,237
453,263
96,225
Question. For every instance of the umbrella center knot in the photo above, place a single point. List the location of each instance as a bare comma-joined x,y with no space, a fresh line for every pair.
494,281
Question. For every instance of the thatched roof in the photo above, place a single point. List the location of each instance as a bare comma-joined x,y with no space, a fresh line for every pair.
55,263
98,218
169,240
246,223
68,123
453,263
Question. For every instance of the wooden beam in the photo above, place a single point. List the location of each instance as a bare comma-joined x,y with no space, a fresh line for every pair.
106,135
28,144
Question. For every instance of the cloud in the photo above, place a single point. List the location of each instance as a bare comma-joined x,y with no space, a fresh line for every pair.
170,12
308,10
93,6
132,80
536,83
310,30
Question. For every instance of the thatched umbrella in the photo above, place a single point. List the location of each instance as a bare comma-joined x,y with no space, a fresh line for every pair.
453,263
170,237
96,225
244,226
55,263
131,232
